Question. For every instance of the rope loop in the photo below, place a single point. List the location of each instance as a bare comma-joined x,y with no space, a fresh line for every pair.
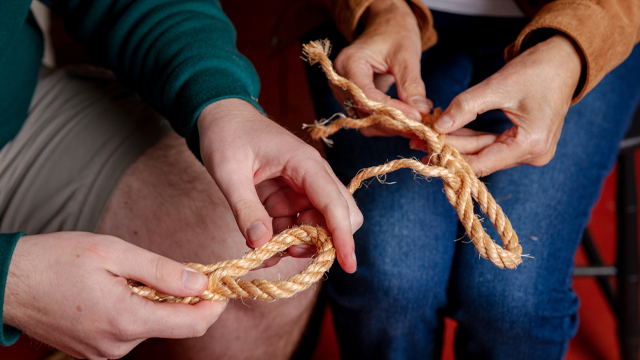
223,276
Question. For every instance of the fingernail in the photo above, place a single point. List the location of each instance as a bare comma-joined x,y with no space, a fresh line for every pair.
256,231
353,258
420,104
302,253
261,266
414,115
443,123
412,144
193,280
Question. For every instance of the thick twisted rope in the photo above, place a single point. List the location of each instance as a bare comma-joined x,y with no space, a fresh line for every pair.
460,183
444,158
223,276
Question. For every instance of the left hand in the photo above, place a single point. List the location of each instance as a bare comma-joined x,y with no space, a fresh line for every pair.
388,51
534,90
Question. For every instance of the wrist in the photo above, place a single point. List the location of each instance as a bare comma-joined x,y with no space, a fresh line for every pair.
223,110
383,7
15,282
382,14
565,54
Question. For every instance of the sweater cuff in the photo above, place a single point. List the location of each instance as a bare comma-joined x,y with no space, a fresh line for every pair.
8,335
425,22
347,15
583,22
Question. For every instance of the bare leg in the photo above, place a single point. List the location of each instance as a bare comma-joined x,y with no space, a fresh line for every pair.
167,203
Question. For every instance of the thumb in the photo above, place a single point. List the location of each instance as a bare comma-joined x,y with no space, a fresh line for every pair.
465,107
252,218
409,83
161,273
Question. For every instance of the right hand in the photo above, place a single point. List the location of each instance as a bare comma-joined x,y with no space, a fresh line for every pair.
388,50
273,180
69,290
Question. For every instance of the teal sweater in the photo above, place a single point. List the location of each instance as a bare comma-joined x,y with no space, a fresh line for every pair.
179,55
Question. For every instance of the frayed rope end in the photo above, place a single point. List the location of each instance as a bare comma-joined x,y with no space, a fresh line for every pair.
312,51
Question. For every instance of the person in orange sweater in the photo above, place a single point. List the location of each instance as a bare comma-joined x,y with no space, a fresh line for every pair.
537,97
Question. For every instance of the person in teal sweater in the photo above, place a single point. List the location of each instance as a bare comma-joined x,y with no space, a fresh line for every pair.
95,188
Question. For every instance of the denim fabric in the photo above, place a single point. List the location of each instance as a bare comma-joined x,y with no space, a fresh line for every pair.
415,263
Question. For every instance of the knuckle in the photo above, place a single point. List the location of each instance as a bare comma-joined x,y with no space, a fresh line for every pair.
543,159
340,64
200,329
357,220
242,206
122,329
162,270
344,60
413,85
462,102
113,351
307,162
99,251
539,148
484,170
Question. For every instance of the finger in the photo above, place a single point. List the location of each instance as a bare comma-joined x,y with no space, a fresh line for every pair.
302,251
308,217
406,69
466,106
383,82
272,261
381,130
252,218
282,223
268,187
361,74
471,144
172,321
468,132
355,215
286,202
418,144
311,217
326,196
159,272
506,152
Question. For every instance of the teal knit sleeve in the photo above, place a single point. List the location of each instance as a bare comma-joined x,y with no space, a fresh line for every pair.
179,55
8,335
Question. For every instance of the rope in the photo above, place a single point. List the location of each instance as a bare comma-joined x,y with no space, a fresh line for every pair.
460,184
445,158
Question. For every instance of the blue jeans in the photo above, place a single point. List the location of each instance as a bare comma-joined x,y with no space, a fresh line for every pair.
415,264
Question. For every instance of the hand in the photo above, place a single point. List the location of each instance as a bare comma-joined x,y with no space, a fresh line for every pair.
534,90
69,290
387,51
266,172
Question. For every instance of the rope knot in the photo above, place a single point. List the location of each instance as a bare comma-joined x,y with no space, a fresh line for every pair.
461,185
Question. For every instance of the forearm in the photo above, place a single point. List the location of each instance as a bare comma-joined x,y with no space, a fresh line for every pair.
603,31
178,55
